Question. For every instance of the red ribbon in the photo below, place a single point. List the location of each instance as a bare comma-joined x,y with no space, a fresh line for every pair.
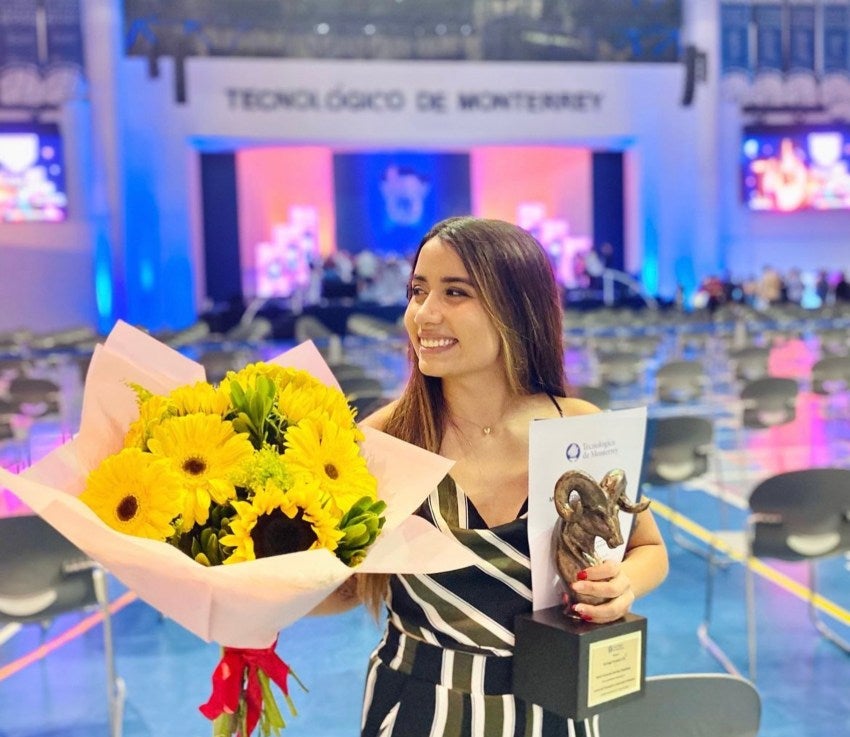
236,674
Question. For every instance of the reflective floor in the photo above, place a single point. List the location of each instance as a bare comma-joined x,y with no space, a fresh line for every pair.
802,678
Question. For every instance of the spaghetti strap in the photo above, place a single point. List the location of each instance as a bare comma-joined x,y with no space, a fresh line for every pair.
555,402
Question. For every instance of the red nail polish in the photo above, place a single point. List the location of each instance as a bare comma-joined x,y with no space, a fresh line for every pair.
582,575
586,618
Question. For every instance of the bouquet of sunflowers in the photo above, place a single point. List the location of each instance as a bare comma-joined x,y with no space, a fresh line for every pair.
234,509
266,463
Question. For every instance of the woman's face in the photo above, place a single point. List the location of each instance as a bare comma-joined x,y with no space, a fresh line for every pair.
451,333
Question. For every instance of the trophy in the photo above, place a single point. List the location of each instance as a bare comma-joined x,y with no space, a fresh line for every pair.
588,510
567,665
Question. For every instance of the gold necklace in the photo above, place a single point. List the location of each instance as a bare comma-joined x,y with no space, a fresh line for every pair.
486,430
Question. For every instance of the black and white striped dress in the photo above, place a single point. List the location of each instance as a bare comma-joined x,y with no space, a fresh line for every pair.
443,667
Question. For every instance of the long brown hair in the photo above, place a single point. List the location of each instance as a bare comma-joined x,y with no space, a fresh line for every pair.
516,285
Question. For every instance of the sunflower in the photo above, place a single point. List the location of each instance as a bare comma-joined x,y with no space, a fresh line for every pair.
278,521
209,455
330,453
136,493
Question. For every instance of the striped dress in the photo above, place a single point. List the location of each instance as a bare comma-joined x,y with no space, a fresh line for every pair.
443,667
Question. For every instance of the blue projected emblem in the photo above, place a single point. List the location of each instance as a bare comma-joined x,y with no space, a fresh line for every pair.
573,452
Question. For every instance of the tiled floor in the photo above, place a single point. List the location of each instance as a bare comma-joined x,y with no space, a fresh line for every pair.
802,678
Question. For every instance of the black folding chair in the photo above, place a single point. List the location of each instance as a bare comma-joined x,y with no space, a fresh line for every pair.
43,575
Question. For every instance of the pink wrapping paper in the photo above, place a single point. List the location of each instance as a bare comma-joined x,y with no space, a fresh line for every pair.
245,604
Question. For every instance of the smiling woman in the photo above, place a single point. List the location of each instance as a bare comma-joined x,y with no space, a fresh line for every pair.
484,325
449,328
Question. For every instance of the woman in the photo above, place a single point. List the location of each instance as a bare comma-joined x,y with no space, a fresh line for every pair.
484,322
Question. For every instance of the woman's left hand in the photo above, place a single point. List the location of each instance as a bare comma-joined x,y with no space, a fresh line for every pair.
606,580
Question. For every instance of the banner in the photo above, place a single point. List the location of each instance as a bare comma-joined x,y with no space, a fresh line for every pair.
735,57
836,38
18,35
769,47
64,34
801,40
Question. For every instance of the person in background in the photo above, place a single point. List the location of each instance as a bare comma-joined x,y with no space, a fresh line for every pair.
822,286
842,288
716,291
794,286
484,324
770,288
366,266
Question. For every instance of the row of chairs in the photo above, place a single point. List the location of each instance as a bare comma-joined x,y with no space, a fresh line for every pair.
42,574
797,516
682,380
45,576
66,571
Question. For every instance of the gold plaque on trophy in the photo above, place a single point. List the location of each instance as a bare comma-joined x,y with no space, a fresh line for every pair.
614,668
577,669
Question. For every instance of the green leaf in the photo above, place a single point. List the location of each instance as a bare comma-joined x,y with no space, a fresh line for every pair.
224,725
354,531
203,560
270,707
237,394
213,550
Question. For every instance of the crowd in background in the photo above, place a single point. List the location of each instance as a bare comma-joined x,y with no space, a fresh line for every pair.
365,276
797,287
368,276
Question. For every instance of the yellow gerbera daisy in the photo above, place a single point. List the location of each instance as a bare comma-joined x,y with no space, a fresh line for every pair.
247,376
200,397
276,522
331,454
209,456
136,493
297,402
152,411
279,375
297,394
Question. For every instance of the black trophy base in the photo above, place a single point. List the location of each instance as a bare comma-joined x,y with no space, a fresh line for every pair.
577,669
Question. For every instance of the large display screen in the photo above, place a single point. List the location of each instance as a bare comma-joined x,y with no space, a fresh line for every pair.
32,173
793,168
391,198
302,206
